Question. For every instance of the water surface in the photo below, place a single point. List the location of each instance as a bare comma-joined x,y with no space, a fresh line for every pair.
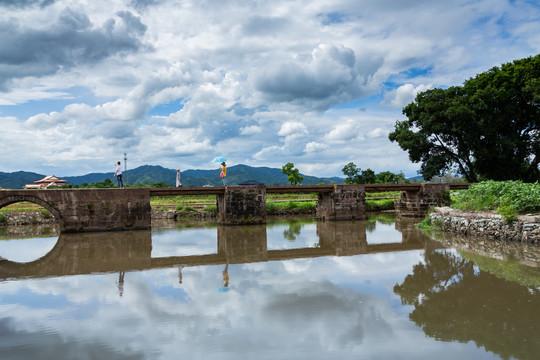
290,290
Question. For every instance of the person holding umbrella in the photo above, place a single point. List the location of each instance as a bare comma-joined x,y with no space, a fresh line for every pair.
223,168
223,173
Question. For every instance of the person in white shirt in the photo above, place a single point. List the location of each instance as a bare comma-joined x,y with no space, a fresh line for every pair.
178,183
118,174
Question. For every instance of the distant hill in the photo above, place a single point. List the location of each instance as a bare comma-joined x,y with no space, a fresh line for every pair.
16,180
152,173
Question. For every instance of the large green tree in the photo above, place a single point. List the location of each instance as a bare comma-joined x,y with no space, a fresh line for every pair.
489,128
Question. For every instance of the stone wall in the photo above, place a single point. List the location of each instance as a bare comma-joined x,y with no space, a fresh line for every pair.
417,203
242,205
88,210
27,218
346,202
486,224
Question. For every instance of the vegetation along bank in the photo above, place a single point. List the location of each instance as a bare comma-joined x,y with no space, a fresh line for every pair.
506,210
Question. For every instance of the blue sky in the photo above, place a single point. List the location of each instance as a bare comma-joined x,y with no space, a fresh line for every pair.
176,83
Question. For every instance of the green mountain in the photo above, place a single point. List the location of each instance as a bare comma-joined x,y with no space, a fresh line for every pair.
153,173
16,180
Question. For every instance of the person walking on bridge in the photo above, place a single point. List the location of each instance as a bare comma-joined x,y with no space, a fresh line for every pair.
223,173
118,174
178,183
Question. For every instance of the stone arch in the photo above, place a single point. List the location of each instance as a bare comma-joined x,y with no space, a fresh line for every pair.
8,200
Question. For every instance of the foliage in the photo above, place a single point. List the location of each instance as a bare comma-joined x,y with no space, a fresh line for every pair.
508,198
428,224
487,129
379,205
3,219
356,175
300,206
293,174
210,208
46,214
107,183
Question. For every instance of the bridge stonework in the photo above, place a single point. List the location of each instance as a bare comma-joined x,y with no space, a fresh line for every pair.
89,210
242,205
345,202
416,203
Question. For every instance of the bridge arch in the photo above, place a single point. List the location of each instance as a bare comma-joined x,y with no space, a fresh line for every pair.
10,199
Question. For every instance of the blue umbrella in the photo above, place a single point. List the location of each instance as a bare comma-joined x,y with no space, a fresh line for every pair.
219,159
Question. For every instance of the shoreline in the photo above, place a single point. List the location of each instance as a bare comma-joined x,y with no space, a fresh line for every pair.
483,224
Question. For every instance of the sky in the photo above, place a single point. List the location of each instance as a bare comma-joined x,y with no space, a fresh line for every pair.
175,83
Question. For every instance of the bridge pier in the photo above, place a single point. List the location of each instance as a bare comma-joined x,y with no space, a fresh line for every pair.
242,205
345,202
416,203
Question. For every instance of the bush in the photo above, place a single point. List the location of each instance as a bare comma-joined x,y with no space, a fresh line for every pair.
494,195
46,214
508,198
3,219
210,208
379,205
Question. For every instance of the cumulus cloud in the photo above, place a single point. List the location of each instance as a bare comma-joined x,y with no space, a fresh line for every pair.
70,41
325,76
344,132
292,129
250,130
314,146
405,94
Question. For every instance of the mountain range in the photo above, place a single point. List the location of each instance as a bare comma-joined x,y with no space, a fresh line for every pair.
150,174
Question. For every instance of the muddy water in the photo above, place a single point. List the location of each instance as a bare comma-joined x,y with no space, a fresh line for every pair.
293,289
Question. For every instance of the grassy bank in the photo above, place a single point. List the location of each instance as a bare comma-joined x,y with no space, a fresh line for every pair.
506,198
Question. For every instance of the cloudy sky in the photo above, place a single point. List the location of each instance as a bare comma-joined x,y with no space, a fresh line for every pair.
175,83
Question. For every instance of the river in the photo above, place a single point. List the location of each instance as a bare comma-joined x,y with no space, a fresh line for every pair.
293,289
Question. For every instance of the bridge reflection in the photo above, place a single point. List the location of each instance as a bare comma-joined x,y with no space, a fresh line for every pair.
87,253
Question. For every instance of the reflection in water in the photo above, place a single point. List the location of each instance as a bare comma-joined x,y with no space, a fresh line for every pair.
120,283
283,299
132,250
455,302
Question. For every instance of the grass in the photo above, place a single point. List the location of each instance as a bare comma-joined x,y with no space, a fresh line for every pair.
276,207
22,206
508,198
379,205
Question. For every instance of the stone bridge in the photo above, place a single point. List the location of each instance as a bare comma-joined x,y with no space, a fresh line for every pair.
89,210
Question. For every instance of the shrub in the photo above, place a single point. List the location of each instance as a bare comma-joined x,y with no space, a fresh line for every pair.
3,219
46,214
508,198
210,208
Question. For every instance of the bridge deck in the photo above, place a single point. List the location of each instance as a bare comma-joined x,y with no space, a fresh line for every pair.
292,189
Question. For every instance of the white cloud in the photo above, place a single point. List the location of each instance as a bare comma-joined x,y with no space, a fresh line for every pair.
314,146
251,130
292,129
404,95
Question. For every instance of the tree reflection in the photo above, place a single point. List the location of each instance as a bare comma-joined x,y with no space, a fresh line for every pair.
293,231
453,302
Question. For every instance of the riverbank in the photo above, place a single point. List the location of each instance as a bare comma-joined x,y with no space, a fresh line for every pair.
525,229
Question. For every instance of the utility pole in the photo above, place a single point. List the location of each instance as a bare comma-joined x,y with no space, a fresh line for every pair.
125,168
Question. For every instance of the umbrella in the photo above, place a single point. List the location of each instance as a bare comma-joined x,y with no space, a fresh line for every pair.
219,159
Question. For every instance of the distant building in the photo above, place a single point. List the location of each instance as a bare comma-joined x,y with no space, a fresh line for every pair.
46,182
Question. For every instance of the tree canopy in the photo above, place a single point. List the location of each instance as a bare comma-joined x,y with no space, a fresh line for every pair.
356,175
293,174
487,129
